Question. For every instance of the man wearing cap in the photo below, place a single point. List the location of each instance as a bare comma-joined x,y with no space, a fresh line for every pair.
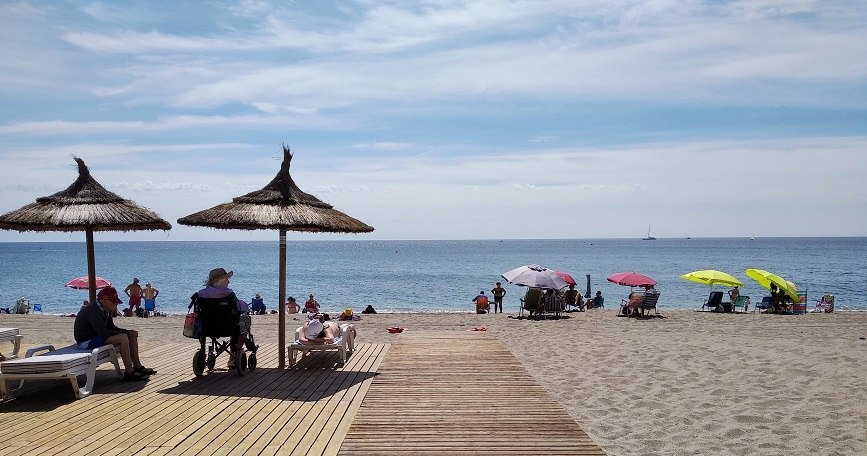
94,327
217,286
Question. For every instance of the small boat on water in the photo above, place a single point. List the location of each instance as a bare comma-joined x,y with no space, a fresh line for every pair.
649,237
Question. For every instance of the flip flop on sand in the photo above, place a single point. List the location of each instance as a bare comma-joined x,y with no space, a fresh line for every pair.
395,330
478,328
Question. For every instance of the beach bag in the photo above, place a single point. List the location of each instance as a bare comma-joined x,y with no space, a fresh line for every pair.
192,323
192,326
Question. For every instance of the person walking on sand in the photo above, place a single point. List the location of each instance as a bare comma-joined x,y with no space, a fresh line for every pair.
133,290
498,291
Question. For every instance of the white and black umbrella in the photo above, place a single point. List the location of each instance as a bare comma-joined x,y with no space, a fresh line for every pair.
535,276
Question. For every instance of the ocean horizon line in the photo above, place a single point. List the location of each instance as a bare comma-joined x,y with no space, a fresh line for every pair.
345,239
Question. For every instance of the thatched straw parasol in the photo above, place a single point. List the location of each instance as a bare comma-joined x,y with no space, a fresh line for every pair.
84,206
279,205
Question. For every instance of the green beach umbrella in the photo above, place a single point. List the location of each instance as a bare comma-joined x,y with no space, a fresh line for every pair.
765,279
712,277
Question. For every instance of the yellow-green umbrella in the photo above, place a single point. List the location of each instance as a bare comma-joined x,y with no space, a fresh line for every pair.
712,277
765,279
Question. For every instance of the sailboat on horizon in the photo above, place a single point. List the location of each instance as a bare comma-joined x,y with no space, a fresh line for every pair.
649,237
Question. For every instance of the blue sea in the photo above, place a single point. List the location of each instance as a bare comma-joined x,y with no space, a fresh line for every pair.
427,276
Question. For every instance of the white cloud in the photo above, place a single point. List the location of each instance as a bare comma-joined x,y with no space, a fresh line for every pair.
417,115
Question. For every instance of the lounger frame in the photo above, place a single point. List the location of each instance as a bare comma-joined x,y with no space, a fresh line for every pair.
345,346
7,335
96,357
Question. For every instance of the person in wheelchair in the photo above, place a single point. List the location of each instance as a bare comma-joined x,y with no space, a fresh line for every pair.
217,286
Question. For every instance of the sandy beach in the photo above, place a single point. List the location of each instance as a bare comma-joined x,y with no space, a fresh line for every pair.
691,383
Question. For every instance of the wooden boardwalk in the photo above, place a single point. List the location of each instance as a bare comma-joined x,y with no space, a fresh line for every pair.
460,392
306,410
447,392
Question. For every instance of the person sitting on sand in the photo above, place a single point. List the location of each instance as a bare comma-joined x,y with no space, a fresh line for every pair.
369,310
257,305
311,305
598,300
573,298
291,305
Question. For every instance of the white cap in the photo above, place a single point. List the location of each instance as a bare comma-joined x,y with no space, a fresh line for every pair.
314,327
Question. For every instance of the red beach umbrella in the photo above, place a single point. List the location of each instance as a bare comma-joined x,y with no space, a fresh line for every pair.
631,279
82,283
566,277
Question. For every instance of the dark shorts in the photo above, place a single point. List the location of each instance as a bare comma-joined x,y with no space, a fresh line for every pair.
498,299
96,342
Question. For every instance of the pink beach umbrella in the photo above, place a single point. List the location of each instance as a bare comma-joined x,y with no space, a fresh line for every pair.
81,283
566,277
631,279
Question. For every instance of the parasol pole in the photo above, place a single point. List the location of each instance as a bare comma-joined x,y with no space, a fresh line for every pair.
91,265
282,291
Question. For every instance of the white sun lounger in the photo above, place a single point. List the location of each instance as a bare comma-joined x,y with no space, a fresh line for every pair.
65,363
11,335
344,344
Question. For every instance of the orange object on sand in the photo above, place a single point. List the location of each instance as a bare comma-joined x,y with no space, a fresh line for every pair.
395,330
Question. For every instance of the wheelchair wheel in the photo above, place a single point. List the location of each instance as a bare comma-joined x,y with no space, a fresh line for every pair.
240,361
199,363
251,362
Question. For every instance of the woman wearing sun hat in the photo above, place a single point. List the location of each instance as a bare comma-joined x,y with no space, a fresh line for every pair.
217,286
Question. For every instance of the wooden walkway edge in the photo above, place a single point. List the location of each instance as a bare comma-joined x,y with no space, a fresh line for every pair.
459,392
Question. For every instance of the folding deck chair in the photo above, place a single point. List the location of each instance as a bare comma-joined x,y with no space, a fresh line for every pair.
714,301
826,304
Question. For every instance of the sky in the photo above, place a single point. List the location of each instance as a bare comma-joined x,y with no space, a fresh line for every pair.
488,119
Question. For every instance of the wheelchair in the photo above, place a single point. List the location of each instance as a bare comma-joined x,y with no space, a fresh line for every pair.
220,318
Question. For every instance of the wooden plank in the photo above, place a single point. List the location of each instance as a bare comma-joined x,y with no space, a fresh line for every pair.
459,392
176,413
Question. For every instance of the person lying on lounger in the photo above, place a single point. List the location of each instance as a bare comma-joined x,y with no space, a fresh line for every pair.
320,331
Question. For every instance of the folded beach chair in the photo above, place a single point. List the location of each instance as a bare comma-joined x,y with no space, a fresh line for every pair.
826,304
65,363
11,335
714,301
344,345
